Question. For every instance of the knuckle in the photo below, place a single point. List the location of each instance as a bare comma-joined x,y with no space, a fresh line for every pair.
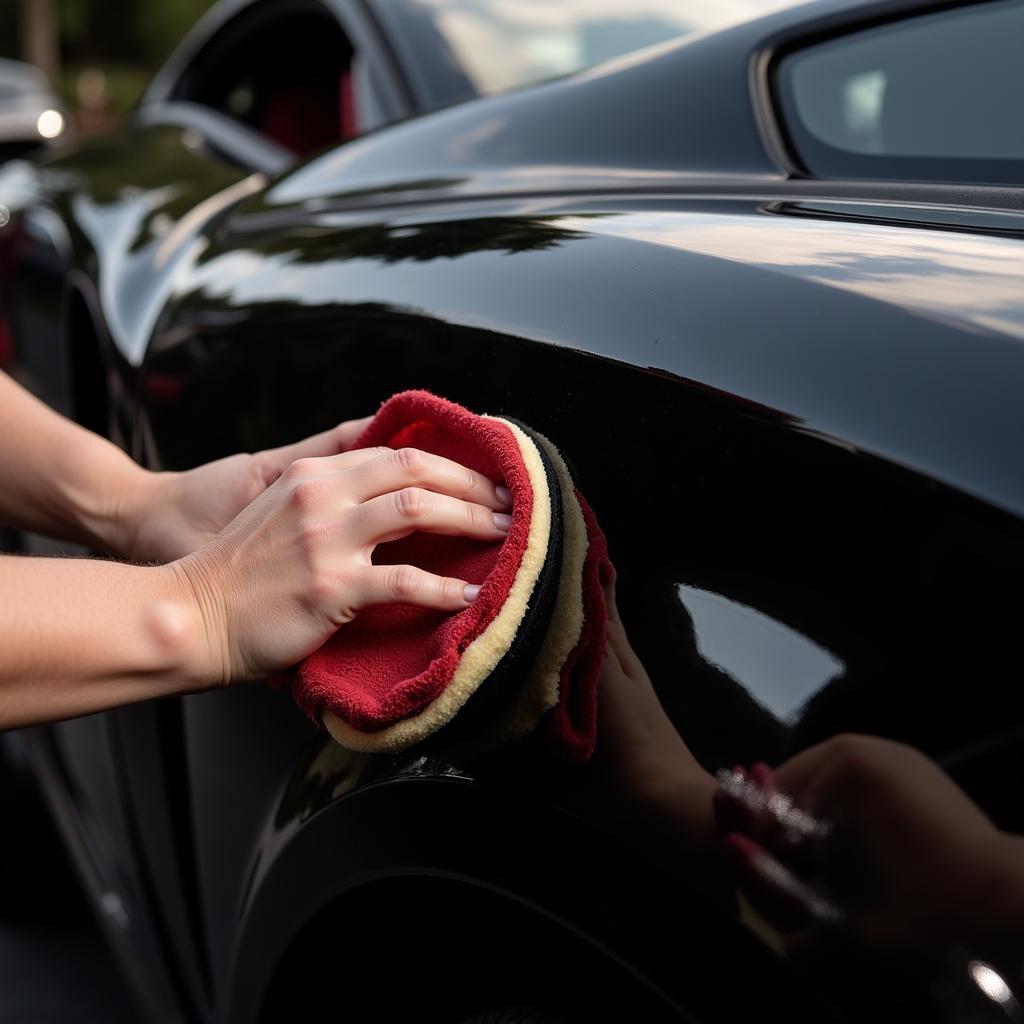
451,589
411,502
411,461
402,583
477,515
306,495
323,588
300,469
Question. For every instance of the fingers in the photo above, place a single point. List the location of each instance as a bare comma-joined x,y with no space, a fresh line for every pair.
407,584
345,434
402,512
274,461
618,639
780,896
395,469
369,473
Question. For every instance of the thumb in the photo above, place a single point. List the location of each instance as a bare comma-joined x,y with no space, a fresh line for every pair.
274,461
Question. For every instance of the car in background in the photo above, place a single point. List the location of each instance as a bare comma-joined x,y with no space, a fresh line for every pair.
763,285
31,115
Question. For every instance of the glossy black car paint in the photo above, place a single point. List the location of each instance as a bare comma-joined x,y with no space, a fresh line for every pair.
791,413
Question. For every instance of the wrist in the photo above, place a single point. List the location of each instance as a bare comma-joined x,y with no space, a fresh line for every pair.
193,582
108,516
139,494
174,631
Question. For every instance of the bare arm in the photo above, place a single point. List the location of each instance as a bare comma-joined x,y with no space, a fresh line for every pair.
81,635
66,482
59,479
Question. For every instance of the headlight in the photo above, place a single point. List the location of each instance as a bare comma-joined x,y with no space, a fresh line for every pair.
50,124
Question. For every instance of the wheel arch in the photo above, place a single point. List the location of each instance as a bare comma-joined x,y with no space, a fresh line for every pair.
416,849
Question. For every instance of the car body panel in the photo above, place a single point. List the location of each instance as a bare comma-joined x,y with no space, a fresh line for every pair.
855,329
817,414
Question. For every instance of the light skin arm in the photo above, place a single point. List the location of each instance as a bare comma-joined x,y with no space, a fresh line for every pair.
82,635
266,556
59,479
68,483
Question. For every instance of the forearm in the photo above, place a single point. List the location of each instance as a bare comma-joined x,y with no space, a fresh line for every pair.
83,635
59,479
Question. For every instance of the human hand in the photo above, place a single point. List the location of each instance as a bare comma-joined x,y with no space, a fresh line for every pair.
650,762
169,515
296,565
894,849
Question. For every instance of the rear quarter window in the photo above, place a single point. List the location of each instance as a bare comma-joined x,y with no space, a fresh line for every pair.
932,98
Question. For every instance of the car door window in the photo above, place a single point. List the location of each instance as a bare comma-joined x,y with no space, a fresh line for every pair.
282,70
933,98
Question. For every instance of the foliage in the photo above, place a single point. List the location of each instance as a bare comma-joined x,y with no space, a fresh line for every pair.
127,31
127,39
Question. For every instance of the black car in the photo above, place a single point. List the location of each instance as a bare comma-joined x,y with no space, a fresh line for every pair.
764,286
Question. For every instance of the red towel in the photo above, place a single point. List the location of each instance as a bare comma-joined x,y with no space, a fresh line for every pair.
397,674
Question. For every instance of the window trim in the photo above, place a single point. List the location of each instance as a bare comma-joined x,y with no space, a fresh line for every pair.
220,133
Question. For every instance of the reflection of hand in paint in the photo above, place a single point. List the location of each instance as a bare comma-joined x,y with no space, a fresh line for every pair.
907,859
652,765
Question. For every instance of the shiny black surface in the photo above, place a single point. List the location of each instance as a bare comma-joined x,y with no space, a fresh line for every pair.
794,406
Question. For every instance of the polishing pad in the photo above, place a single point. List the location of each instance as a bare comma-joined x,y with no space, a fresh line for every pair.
529,648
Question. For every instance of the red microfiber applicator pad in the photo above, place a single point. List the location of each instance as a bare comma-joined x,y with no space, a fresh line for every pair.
397,674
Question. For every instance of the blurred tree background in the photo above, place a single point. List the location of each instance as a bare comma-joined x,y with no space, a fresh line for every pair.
117,44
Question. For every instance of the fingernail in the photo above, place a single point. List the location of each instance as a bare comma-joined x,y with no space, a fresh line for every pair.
502,521
504,496
470,592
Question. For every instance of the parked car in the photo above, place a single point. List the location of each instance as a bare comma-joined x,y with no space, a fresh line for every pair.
763,285
31,115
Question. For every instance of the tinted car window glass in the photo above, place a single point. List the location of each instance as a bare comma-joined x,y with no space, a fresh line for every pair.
282,70
931,98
